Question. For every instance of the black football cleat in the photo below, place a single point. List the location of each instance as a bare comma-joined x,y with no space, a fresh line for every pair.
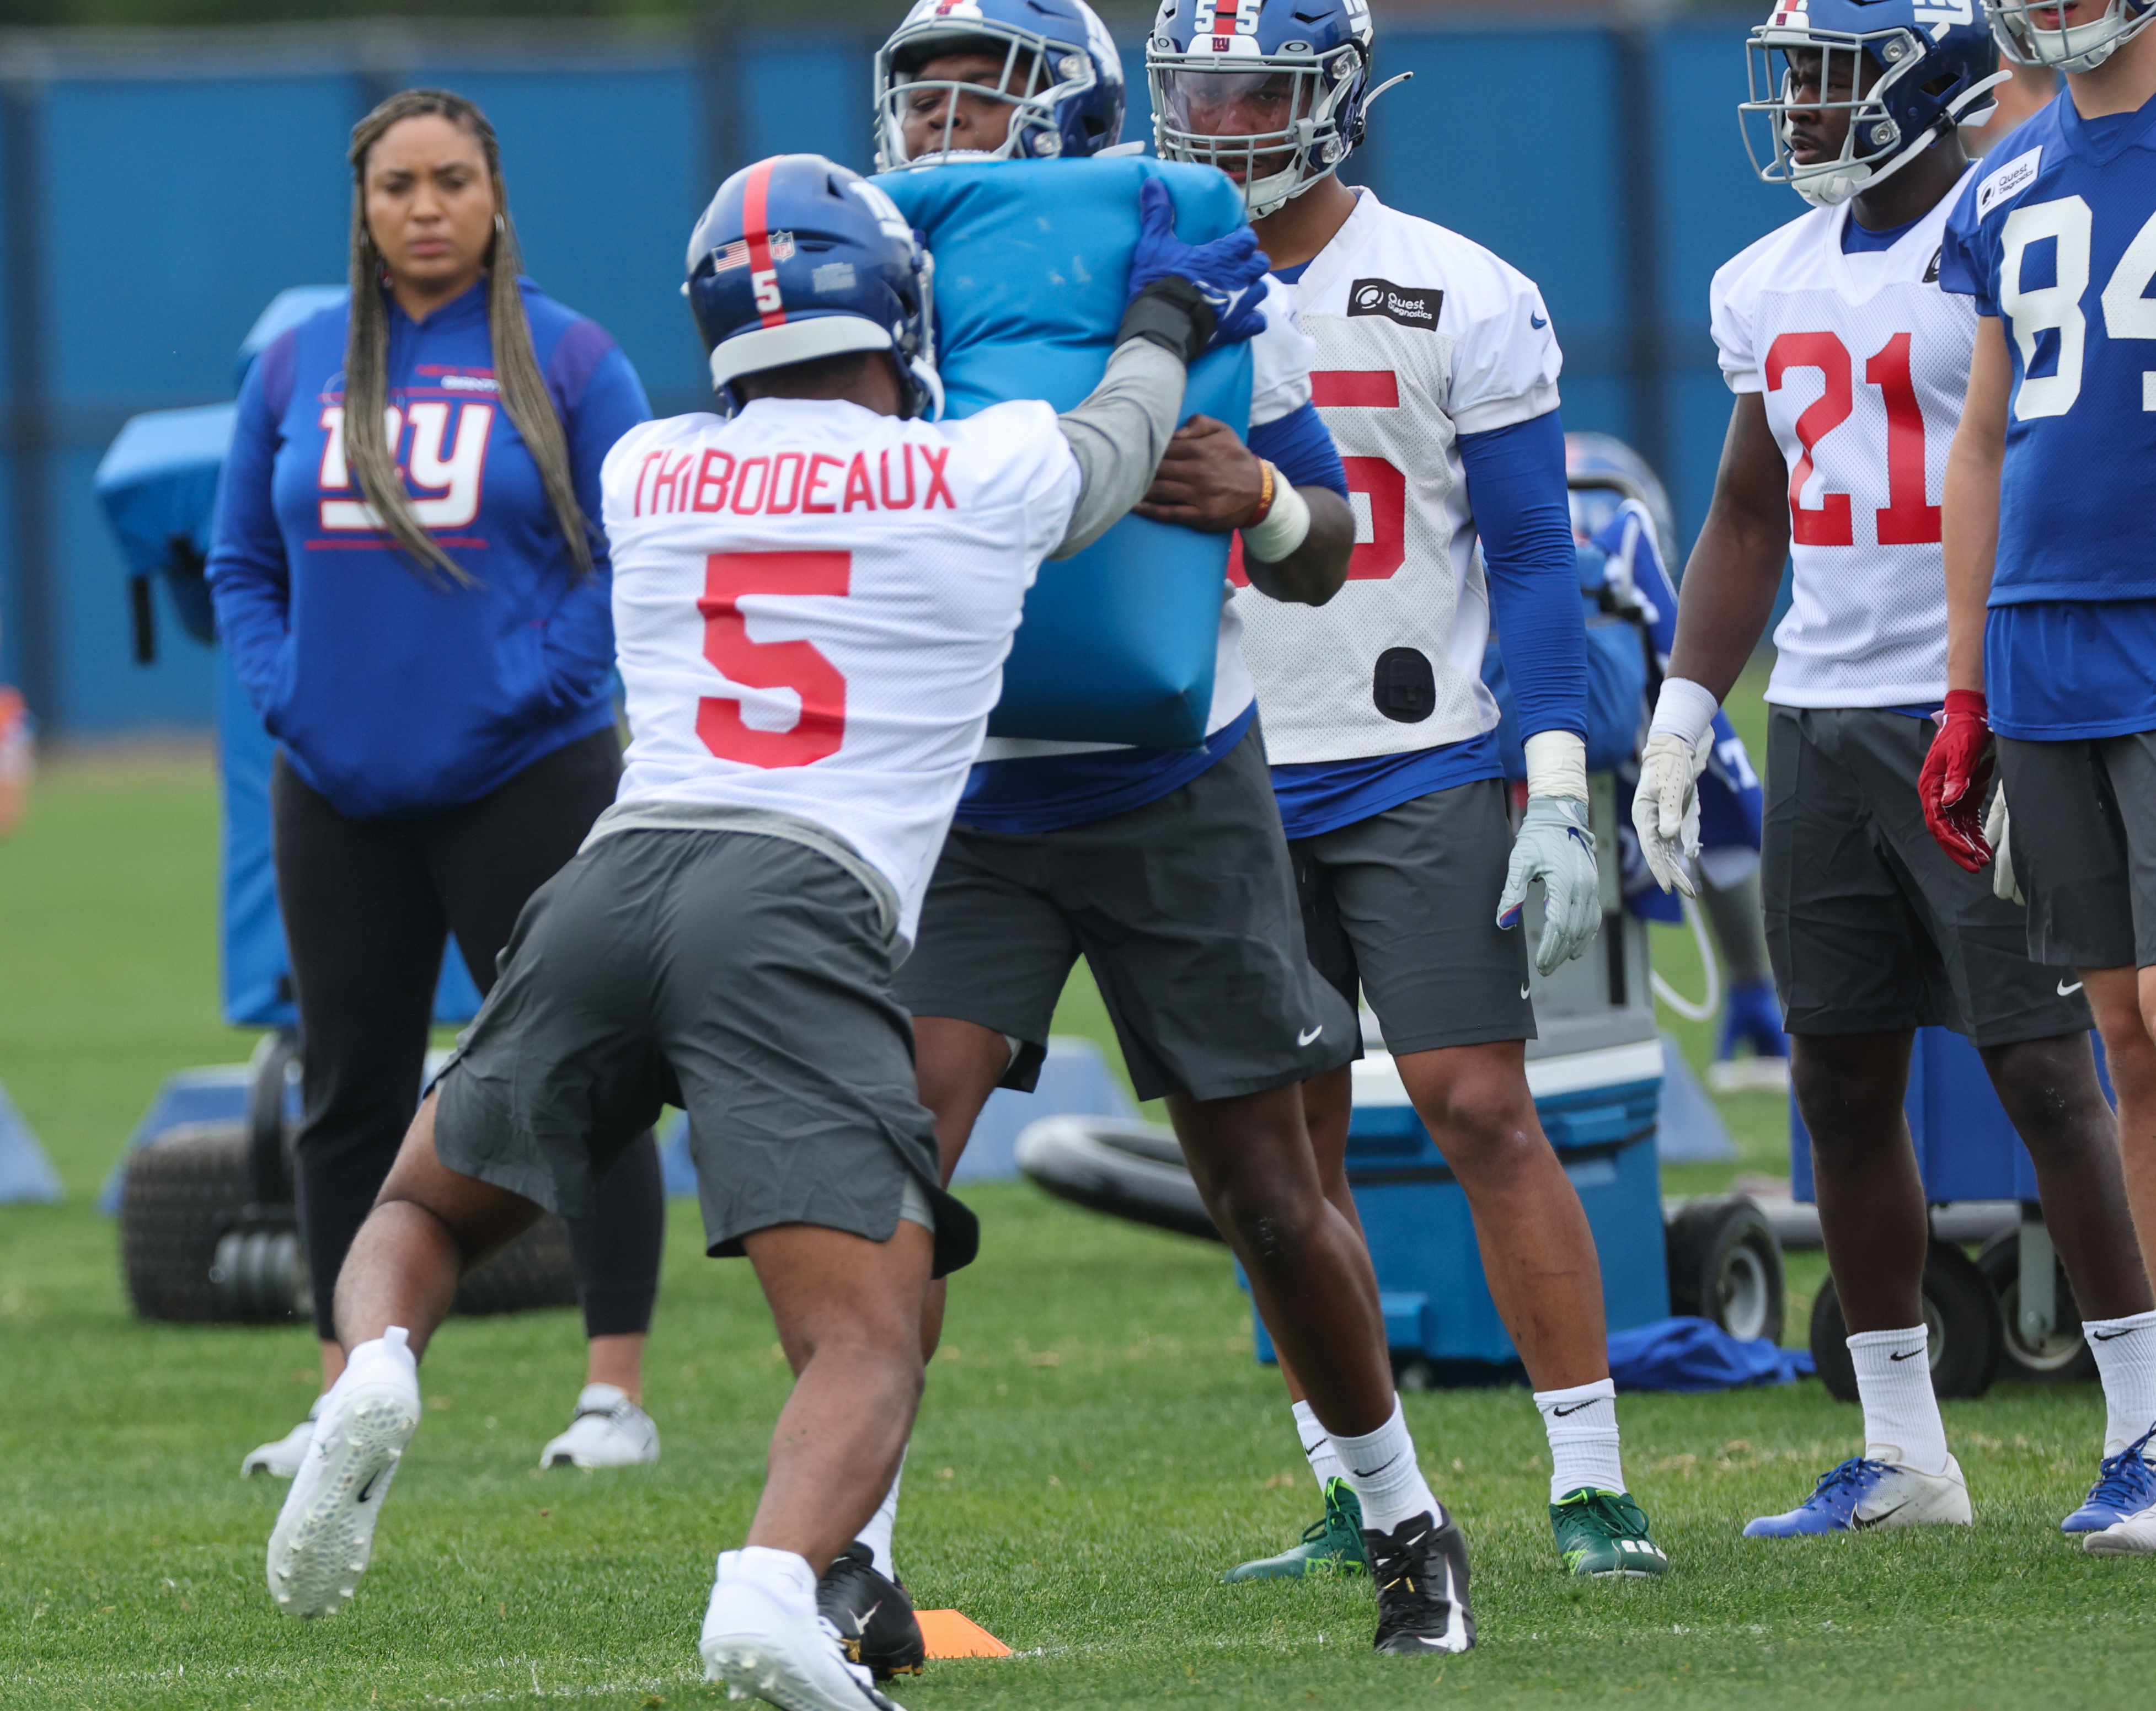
1421,1570
873,1616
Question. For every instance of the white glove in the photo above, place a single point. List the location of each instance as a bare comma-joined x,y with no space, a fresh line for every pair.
2004,885
1555,846
1665,806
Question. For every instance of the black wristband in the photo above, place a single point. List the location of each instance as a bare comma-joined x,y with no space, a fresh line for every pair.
1174,313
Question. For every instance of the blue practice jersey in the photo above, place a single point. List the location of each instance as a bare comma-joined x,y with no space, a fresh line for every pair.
2056,237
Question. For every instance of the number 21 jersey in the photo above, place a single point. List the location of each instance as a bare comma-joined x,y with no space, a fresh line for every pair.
812,604
1862,361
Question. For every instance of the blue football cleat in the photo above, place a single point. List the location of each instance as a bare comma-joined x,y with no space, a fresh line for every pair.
2125,1485
1859,1495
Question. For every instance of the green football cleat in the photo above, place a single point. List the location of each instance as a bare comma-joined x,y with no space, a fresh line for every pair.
1604,1533
1332,1545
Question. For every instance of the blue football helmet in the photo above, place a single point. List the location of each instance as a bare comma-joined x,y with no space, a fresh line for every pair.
1275,92
797,259
1906,72
2073,47
1602,472
1062,81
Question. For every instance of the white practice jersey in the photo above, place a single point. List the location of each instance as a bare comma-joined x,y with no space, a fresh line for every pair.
812,606
1422,336
1280,386
1864,362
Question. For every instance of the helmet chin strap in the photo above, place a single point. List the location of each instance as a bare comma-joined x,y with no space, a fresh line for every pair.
931,383
1832,187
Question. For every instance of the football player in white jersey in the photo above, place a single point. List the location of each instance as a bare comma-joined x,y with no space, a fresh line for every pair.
815,593
1437,374
1165,868
1848,363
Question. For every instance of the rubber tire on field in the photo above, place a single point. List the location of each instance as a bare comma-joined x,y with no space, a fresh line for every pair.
182,1194
2000,1260
538,1269
1967,1339
1723,1258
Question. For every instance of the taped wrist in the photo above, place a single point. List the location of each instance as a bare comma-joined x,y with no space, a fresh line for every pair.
1556,764
1284,526
1684,709
1171,313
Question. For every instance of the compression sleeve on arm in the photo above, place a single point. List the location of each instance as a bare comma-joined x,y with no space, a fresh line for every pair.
1516,487
1118,435
1301,447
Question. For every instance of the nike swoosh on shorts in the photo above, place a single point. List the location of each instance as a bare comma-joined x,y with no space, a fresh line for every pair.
1304,1039
2066,991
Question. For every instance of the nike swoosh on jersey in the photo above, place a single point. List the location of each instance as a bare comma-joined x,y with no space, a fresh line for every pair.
1536,322
2066,991
1304,1039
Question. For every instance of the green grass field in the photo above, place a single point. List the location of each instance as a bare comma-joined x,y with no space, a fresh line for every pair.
1095,1445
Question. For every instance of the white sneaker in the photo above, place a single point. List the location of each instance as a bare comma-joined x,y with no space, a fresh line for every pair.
324,1533
280,1458
2134,1536
608,1430
764,1651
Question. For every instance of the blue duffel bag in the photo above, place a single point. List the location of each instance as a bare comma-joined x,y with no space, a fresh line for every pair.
1031,261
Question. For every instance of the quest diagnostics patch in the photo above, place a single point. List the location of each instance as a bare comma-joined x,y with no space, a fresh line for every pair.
2010,180
1410,306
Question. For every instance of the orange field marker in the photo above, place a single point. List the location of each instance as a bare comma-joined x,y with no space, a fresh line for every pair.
951,1634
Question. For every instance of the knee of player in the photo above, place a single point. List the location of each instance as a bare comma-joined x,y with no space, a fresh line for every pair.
2049,1090
1484,1123
1273,1225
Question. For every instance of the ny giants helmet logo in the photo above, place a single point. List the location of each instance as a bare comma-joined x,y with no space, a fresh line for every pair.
1223,20
1940,16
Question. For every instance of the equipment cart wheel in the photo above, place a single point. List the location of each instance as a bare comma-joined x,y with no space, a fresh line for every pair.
1960,1311
1726,1265
2060,1355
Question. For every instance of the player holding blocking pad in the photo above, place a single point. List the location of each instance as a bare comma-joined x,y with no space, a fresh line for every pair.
1848,362
1164,868
1437,376
813,600
2051,584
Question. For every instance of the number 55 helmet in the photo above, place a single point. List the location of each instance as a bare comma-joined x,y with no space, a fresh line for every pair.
1905,71
1275,92
1062,78
798,259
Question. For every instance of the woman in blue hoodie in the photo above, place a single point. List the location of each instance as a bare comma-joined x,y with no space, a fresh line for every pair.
413,591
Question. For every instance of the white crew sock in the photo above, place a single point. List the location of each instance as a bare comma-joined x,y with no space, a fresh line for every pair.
1381,1469
876,1535
1902,1422
1318,1447
365,1360
1582,1427
787,1578
2125,1351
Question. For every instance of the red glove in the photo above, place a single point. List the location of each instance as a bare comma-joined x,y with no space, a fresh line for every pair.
1956,778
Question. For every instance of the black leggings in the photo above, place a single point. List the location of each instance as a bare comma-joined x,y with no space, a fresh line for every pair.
366,905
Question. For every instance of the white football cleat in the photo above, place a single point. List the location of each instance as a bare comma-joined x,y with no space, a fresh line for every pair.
280,1458
608,1430
762,1651
2134,1536
324,1533
1861,1494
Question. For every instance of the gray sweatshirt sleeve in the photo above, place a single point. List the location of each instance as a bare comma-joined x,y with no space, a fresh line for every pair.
1118,435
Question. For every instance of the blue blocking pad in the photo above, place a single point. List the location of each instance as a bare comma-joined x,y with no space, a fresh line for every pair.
1033,259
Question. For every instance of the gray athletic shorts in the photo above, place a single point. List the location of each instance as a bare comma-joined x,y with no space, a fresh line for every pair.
742,977
1870,928
2081,817
1403,905
1185,910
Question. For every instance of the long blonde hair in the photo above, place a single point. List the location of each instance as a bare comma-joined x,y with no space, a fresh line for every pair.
522,389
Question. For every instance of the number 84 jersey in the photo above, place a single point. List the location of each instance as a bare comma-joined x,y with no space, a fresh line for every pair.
1862,361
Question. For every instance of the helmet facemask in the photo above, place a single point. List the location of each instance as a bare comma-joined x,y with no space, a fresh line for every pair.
1037,76
2071,47
1876,144
1302,146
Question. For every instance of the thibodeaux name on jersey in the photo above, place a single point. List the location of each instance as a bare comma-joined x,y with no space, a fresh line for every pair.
1421,336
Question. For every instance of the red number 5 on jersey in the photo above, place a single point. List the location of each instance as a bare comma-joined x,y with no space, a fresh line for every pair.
796,666
1376,490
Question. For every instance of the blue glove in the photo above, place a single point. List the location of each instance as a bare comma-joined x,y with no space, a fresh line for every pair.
1230,271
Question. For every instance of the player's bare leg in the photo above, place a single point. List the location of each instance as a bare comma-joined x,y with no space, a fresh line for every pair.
2124,1003
848,1311
1849,1089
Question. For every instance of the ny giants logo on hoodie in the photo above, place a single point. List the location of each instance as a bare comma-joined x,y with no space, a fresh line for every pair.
447,485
